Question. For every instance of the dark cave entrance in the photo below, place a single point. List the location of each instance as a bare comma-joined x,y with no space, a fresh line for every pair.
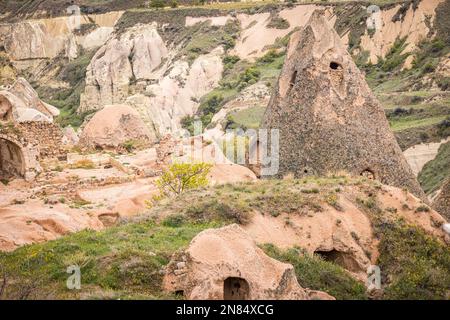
369,174
343,259
293,78
12,162
335,65
235,288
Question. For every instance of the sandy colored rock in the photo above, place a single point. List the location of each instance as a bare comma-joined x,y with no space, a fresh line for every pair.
21,103
177,94
442,202
114,125
418,155
126,57
230,173
39,39
343,235
328,118
70,136
33,222
226,264
416,24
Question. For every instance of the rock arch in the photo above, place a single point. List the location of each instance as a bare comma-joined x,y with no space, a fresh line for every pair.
17,160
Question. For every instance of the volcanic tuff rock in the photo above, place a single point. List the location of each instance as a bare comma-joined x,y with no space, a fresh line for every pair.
442,202
226,263
30,41
21,103
128,57
328,118
114,125
176,94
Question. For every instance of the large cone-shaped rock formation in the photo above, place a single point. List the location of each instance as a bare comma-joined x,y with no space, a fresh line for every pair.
328,118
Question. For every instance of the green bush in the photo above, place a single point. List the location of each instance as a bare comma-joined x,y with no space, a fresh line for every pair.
278,22
418,264
157,3
317,274
248,77
174,220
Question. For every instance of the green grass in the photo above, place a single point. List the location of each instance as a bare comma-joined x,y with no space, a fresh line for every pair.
248,118
418,264
317,274
408,123
202,38
119,262
125,261
68,100
435,172
238,75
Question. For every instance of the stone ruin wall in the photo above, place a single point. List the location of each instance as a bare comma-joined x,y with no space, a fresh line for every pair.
46,136
24,145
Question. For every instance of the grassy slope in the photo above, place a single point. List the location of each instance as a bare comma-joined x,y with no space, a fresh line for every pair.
437,171
125,261
317,274
67,100
120,262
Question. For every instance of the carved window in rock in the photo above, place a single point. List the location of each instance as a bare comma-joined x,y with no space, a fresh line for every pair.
369,174
335,66
293,80
235,288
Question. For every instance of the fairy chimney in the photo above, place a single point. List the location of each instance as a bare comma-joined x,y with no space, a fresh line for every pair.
329,120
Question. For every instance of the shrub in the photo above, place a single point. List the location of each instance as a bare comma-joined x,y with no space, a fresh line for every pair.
418,265
317,274
423,208
248,77
83,164
157,3
270,56
174,220
180,177
278,22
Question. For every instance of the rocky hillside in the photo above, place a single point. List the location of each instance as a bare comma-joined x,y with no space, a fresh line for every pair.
95,112
328,229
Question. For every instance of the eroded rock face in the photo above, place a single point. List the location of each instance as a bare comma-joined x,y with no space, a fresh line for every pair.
114,125
131,56
176,95
137,69
225,263
31,40
328,118
21,103
442,202
32,222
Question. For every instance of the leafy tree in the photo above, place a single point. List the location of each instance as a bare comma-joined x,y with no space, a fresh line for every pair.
180,177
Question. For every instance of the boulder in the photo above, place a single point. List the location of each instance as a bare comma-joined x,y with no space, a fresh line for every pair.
328,118
226,264
114,125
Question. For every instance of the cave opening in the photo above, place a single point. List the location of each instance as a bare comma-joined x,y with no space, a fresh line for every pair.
235,288
343,259
11,160
335,66
293,78
369,174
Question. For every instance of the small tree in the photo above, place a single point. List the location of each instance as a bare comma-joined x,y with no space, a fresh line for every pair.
180,177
